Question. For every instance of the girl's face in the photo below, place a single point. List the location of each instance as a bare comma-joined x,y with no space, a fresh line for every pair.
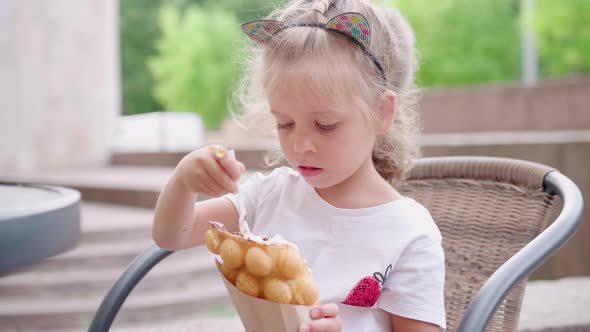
326,138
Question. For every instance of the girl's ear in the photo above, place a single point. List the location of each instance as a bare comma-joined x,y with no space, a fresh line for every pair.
385,111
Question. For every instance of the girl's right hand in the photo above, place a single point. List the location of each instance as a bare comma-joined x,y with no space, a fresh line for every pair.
210,170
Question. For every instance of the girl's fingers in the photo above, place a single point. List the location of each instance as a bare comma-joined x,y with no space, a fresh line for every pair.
227,160
214,188
209,180
220,176
332,324
325,310
208,190
325,318
204,187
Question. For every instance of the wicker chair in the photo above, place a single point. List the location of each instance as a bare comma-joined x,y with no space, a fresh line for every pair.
493,214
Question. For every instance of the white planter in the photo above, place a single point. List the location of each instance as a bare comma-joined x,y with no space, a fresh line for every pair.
159,132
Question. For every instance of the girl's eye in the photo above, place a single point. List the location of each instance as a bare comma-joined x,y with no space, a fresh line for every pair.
287,125
327,127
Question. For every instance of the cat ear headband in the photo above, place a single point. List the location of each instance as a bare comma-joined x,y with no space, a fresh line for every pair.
352,25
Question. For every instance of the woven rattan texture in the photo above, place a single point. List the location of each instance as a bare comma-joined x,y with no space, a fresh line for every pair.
483,223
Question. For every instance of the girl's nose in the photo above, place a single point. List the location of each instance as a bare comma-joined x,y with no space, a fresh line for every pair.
302,144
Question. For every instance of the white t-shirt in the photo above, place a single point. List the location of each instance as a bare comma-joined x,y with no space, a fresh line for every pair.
342,246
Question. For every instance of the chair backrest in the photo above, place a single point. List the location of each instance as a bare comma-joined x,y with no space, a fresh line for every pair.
487,210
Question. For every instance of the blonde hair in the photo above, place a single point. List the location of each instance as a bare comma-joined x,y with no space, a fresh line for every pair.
323,53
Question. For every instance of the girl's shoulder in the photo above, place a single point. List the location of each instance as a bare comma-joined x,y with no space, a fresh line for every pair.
415,219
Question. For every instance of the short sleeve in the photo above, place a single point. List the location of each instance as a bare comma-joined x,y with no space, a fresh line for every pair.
245,200
415,287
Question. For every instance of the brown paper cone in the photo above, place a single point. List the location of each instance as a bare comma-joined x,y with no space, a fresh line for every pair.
258,315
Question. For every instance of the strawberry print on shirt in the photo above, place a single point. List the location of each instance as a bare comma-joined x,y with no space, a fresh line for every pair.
367,291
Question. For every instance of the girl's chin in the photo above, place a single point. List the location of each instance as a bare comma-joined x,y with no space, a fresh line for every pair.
321,182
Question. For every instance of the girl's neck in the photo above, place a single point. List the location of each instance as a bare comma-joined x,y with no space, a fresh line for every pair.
364,188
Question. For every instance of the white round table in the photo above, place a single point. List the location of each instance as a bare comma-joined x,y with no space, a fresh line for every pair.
36,222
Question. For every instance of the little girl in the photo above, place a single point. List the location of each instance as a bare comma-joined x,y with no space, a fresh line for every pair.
337,77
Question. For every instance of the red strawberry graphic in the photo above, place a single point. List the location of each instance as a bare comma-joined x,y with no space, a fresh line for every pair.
366,292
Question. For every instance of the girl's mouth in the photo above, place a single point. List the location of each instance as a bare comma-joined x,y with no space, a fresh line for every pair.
309,171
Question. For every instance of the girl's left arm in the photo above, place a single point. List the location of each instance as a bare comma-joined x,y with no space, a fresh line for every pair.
403,324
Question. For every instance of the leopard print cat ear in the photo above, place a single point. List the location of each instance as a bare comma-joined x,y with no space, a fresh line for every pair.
262,31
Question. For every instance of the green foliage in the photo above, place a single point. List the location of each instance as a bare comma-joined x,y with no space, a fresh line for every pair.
195,65
563,30
139,31
137,36
244,10
464,41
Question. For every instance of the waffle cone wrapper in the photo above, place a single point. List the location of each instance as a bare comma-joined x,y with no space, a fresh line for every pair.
259,315
268,280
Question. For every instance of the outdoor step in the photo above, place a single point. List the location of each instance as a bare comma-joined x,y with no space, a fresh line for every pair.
205,296
230,324
227,321
107,222
179,268
123,185
124,234
251,155
100,256
556,305
96,255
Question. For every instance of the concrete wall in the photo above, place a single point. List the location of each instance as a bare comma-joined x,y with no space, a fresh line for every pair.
550,105
59,82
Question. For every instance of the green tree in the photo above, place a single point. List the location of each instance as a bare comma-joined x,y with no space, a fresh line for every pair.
138,33
464,41
563,36
244,10
195,65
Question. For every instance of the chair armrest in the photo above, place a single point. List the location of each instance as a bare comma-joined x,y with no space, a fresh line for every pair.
110,305
530,257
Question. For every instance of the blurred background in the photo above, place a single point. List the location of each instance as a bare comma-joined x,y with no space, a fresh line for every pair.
107,96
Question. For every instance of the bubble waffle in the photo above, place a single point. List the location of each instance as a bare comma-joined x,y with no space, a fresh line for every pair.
268,269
